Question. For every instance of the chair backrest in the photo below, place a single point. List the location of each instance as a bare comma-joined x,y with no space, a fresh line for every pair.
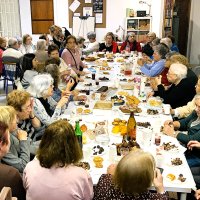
9,70
6,194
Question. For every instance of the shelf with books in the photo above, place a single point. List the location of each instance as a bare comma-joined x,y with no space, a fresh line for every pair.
139,25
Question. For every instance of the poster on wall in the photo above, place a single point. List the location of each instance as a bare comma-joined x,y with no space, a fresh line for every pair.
87,11
98,6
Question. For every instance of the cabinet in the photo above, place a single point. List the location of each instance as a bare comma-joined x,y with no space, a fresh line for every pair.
139,25
168,17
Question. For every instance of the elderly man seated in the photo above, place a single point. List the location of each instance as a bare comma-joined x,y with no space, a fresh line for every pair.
182,89
12,54
93,45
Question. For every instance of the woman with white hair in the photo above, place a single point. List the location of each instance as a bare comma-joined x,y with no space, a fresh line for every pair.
93,45
181,91
46,109
130,44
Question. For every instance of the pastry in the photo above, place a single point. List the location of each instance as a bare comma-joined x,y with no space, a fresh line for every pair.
98,161
171,177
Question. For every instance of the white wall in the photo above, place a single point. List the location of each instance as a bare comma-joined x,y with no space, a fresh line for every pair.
194,30
115,15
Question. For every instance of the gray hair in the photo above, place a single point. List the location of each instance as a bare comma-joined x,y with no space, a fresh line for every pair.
39,85
161,49
91,35
80,39
179,69
166,41
156,41
130,34
41,44
170,54
12,42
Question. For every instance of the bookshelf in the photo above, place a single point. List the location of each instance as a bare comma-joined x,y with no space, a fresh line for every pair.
168,17
139,25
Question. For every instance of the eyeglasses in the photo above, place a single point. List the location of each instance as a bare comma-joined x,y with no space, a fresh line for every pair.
26,108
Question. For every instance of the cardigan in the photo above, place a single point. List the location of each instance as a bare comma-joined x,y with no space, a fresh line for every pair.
134,46
177,95
19,153
193,132
113,48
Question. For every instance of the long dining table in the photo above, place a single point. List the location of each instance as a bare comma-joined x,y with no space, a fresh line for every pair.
163,158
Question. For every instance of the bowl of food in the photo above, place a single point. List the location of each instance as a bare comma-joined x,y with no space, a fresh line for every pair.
154,102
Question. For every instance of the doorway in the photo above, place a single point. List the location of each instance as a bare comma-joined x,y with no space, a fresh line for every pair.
181,19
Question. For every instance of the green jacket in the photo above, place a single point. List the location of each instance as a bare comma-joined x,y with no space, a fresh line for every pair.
193,132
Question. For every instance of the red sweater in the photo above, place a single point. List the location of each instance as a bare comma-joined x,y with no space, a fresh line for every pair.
134,46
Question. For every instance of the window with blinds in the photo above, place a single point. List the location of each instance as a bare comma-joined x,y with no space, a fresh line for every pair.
9,18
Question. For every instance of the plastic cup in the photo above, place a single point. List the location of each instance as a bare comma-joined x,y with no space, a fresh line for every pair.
166,108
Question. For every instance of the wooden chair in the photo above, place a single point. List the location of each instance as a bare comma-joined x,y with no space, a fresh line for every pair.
6,194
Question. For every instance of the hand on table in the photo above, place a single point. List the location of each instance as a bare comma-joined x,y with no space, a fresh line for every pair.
168,129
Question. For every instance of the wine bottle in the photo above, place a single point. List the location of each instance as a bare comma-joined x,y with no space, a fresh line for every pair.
78,133
131,127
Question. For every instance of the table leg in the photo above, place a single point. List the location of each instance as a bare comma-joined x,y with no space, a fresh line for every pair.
183,196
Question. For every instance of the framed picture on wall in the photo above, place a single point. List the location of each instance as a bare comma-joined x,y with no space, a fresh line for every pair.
98,6
87,11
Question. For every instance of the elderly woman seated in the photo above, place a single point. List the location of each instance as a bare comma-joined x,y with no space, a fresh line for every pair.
191,124
180,92
55,167
157,66
10,177
109,44
130,44
45,107
19,152
93,45
130,179
23,104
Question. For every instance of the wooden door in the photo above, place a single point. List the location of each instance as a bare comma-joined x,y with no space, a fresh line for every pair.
181,23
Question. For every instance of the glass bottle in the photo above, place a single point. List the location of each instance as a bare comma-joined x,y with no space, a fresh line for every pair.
131,127
78,133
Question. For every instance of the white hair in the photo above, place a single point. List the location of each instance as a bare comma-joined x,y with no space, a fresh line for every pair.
39,85
166,41
179,69
12,42
41,44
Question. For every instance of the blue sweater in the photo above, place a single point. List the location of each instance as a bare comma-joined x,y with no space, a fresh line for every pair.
153,69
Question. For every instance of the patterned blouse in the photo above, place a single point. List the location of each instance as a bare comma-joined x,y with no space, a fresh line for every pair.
105,190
